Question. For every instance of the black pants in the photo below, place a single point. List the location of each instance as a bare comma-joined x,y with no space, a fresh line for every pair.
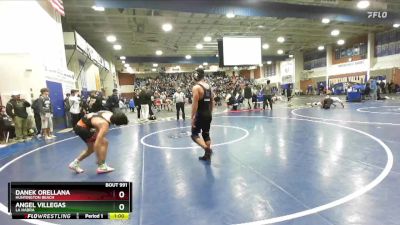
267,100
38,122
7,129
75,118
139,108
180,106
150,110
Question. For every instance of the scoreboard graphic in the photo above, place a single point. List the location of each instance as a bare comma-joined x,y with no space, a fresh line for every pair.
70,200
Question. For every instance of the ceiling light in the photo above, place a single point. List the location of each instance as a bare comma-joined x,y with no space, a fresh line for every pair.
188,56
260,26
159,52
290,56
199,46
280,39
325,20
111,38
230,15
340,42
321,47
127,65
98,8
207,39
396,25
265,46
201,66
235,68
155,65
154,70
335,32
269,62
167,27
363,4
280,51
122,57
205,63
117,47
216,55
123,62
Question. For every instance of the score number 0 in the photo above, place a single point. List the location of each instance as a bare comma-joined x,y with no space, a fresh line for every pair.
121,195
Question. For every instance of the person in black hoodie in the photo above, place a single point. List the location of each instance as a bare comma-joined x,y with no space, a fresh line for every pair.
6,124
95,102
145,102
36,114
113,101
16,109
248,94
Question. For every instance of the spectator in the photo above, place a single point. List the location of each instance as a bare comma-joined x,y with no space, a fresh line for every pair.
16,109
7,127
179,100
163,98
374,88
113,101
382,86
267,90
36,114
75,110
46,113
138,103
67,107
248,95
145,102
289,92
132,104
94,102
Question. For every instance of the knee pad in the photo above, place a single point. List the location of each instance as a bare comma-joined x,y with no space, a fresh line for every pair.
206,136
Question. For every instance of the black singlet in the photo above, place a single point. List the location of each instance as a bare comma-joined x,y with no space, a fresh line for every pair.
204,108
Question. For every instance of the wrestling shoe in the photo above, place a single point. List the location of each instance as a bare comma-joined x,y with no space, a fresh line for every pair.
207,155
103,168
75,167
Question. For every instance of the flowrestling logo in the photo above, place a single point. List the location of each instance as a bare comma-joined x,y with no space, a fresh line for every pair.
377,15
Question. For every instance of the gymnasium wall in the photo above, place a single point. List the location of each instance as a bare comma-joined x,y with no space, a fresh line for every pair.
304,84
34,50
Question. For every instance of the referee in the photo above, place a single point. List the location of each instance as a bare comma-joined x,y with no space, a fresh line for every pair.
179,99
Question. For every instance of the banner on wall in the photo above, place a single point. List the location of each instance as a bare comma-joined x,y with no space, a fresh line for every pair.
98,83
287,68
287,72
59,74
347,79
82,79
349,67
90,51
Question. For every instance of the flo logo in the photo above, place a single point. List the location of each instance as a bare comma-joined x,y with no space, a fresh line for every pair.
377,15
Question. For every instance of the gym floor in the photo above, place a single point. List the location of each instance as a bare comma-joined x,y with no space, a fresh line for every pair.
292,165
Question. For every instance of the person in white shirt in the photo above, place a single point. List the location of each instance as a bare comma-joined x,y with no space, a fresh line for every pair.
179,100
75,107
163,98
